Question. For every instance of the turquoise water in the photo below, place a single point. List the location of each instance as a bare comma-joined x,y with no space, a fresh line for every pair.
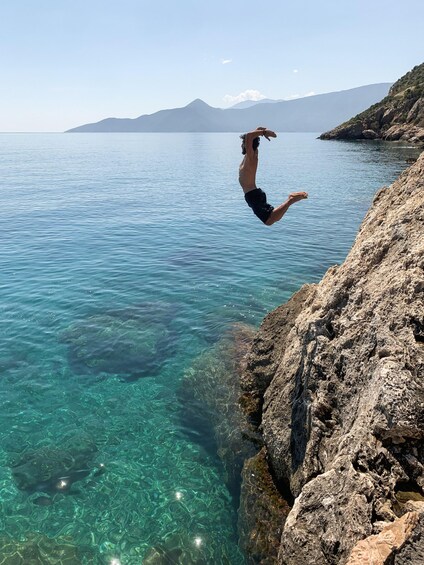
127,247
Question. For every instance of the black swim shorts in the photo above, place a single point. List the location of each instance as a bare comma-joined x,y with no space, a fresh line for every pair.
256,199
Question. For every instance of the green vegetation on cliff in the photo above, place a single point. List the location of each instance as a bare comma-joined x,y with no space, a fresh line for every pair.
413,79
400,115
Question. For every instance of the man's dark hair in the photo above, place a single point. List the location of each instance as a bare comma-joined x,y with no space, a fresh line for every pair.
255,143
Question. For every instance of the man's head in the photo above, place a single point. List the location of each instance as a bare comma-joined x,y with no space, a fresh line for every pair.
255,143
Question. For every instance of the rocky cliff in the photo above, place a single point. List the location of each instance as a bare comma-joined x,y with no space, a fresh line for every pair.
399,116
335,383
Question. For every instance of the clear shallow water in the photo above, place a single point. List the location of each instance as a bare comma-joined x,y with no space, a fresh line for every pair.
126,245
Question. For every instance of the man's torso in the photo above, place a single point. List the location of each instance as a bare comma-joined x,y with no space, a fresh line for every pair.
247,172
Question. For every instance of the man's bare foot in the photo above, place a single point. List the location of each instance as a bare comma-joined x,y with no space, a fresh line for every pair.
296,196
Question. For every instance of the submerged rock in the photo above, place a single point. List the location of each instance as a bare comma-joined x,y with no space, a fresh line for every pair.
161,555
181,549
130,342
54,469
42,500
338,377
209,408
41,550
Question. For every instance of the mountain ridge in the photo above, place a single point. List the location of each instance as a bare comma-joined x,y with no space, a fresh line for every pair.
311,113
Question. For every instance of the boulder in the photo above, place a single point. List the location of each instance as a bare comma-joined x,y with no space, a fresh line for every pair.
369,134
395,132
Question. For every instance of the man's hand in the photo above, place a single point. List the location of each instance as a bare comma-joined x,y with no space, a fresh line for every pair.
268,133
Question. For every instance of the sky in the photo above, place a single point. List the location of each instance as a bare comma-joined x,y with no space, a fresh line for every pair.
64,63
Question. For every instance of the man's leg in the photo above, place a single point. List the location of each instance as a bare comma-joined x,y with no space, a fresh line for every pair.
280,210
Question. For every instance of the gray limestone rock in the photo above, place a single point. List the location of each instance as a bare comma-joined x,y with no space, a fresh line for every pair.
339,373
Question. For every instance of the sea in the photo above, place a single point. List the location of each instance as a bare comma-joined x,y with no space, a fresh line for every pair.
123,258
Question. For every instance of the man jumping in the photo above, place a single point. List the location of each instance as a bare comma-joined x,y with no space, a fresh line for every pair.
256,197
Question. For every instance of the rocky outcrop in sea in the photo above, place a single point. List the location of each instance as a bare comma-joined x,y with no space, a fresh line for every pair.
334,381
399,116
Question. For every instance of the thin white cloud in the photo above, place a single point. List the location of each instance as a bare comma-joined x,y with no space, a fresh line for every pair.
226,61
295,70
249,94
294,96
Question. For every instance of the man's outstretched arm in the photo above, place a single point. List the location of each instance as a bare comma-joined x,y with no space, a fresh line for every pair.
266,132
251,135
258,132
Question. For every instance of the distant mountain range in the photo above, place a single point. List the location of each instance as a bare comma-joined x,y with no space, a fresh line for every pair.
313,113
249,103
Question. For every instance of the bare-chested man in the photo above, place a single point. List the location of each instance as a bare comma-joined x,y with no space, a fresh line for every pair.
256,197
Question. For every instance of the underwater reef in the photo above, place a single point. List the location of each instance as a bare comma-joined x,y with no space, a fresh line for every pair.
52,468
175,550
209,410
37,549
130,343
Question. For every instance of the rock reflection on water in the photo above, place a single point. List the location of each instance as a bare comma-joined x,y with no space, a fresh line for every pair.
129,342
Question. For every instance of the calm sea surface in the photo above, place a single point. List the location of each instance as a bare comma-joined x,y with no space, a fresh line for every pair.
121,247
